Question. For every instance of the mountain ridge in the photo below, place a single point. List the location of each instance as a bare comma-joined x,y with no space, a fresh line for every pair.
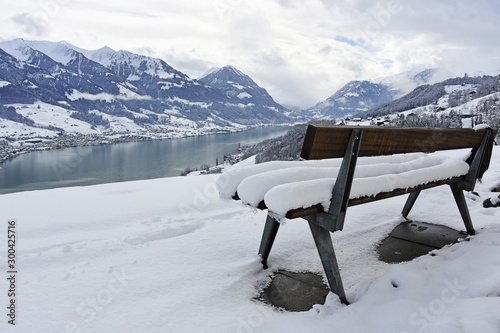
121,86
362,95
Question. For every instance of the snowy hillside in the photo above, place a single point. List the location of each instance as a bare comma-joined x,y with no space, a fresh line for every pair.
405,82
474,100
139,92
359,96
168,255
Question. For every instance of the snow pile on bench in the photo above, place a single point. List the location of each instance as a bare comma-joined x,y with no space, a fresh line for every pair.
285,197
304,184
227,184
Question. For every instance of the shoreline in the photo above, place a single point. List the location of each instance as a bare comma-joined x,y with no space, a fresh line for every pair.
11,149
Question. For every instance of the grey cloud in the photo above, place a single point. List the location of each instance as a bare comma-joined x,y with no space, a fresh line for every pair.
189,63
286,3
36,24
326,49
272,58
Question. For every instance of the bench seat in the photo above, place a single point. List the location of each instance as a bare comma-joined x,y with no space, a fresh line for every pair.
228,183
296,187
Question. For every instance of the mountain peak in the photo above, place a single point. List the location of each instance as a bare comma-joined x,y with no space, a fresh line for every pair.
227,74
226,70
210,71
238,86
233,69
61,52
360,96
18,48
99,54
105,49
354,97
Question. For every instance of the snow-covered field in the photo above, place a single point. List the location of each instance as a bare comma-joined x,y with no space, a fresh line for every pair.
168,255
50,115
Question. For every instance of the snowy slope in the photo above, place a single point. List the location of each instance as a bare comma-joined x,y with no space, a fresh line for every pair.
46,115
167,255
17,131
4,83
485,108
444,95
359,96
474,106
61,52
405,82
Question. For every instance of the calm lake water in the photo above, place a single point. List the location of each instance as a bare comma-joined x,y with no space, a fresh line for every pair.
124,161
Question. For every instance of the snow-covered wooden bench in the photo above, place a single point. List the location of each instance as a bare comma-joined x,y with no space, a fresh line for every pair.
392,162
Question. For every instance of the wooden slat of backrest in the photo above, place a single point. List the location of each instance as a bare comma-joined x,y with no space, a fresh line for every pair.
331,141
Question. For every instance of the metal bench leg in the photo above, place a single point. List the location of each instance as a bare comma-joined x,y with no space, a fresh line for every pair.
327,254
266,243
409,203
462,207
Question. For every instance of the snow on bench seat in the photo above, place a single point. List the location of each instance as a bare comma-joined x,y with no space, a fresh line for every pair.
227,184
284,189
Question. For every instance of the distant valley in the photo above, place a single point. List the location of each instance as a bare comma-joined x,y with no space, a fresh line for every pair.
54,94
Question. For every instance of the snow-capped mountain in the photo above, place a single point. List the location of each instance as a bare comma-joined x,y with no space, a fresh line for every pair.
354,97
106,87
61,52
240,88
237,86
151,76
360,96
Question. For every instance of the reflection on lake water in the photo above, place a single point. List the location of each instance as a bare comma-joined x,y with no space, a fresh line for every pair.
124,161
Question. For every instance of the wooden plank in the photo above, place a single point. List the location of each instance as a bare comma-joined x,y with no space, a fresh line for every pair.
316,209
331,141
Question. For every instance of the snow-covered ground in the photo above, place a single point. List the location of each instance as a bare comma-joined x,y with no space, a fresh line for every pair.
17,130
50,115
168,255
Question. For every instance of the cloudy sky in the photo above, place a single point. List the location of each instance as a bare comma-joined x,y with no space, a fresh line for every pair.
301,51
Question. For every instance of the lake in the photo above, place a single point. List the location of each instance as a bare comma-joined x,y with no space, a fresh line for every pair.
123,161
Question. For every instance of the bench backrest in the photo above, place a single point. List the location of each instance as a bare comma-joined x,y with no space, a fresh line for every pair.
323,142
349,142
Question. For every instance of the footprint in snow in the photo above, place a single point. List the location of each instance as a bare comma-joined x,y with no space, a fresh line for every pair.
169,232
